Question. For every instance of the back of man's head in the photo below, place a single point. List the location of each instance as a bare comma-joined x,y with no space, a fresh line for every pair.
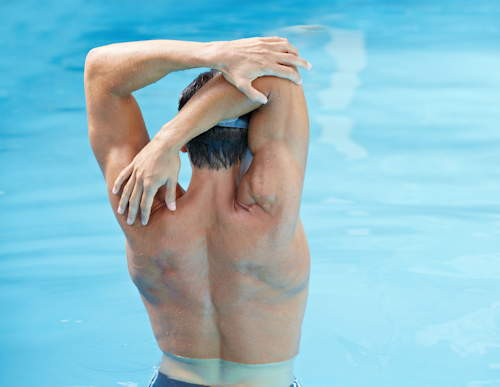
218,147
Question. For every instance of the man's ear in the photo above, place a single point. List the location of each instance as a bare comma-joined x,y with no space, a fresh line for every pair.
184,149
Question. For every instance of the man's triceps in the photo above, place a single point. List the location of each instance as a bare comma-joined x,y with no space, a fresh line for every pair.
278,136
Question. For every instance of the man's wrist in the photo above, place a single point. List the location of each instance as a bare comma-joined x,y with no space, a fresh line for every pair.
170,140
214,54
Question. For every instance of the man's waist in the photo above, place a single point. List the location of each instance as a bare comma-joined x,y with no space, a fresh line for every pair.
219,371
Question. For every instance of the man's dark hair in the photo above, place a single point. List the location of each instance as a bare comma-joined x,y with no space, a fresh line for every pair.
220,146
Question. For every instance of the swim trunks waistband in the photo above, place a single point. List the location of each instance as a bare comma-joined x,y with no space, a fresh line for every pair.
162,380
215,371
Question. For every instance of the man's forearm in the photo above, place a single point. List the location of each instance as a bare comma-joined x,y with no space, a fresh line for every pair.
217,100
124,67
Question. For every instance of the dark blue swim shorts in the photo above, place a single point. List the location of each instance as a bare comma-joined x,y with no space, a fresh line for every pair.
162,380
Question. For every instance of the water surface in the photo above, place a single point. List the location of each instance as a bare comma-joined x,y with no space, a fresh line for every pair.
401,201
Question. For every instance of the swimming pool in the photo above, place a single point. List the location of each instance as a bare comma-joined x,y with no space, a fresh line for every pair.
401,201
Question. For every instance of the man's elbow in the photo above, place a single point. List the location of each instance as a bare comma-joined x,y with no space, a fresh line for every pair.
97,75
270,85
100,74
94,63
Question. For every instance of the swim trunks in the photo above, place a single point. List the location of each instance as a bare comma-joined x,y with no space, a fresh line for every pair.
162,380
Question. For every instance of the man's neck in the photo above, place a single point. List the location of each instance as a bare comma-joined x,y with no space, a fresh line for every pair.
215,184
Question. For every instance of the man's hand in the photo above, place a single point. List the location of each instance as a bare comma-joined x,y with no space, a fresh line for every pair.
156,164
242,61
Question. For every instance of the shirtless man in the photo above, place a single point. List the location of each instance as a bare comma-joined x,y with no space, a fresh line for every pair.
222,268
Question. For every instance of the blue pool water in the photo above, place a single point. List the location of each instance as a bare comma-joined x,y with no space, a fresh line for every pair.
401,201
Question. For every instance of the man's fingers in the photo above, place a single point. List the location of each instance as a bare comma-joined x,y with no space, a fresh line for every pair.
134,202
284,47
170,195
146,202
272,38
287,72
252,93
290,59
124,174
127,191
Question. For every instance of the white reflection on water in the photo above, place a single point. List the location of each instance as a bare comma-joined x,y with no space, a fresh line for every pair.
472,334
336,130
484,266
345,53
487,383
347,50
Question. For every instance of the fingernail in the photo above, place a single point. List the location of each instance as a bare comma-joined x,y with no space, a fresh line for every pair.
144,221
263,101
113,190
129,221
299,82
120,210
309,65
171,206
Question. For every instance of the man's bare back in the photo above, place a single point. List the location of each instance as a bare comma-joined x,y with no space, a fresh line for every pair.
225,276
221,285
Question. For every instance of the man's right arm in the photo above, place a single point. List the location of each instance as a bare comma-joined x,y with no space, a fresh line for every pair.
278,138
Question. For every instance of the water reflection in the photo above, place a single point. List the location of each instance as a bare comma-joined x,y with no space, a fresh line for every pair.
474,333
345,54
